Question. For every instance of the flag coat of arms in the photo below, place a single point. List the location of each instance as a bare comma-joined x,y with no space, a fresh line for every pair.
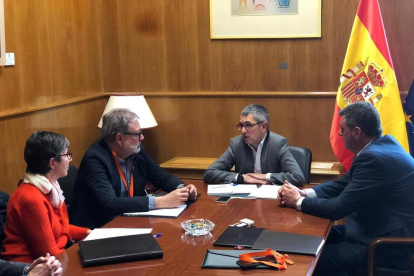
368,75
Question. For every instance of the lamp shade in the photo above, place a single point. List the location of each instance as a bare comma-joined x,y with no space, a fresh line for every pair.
136,104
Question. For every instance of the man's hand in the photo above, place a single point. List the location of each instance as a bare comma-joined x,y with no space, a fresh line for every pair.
192,191
289,195
173,199
45,266
253,178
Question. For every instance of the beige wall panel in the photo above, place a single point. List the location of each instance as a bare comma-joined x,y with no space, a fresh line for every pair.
9,79
75,48
63,52
204,46
233,65
181,43
111,61
57,52
142,45
87,53
33,54
77,122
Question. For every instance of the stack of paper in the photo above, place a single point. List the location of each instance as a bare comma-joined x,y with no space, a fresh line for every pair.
104,233
265,191
230,189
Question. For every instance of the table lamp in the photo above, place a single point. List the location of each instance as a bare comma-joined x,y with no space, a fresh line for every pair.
135,103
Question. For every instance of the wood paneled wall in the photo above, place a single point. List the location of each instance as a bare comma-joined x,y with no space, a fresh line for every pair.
58,53
68,50
165,45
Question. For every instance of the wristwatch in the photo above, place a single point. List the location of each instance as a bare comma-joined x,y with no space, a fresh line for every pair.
240,179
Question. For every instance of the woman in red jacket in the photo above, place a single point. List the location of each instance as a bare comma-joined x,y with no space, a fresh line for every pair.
37,219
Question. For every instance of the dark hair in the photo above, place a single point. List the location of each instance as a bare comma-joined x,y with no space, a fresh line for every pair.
40,147
363,115
116,121
258,111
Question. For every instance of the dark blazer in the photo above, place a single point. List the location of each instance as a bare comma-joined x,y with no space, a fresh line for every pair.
11,268
275,159
375,195
96,194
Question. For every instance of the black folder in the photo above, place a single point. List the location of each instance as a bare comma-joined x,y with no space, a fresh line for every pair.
119,249
289,243
225,259
233,236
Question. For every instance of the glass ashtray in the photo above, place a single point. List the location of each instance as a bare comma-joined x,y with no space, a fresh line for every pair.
196,240
197,227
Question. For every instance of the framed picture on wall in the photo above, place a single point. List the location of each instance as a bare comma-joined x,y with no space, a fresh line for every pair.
2,35
235,19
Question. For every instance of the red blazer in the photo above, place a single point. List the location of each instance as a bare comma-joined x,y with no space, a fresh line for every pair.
34,227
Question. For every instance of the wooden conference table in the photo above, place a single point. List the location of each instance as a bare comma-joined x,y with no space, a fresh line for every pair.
183,254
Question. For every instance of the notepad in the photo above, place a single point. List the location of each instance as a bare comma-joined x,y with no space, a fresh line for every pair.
119,249
289,243
168,212
233,236
265,191
230,189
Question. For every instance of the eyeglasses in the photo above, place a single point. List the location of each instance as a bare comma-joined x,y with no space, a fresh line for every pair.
68,155
247,126
135,134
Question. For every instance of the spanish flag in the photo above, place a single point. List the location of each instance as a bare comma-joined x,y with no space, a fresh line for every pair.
368,75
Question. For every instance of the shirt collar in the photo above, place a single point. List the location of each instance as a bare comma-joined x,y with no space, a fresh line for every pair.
364,147
260,144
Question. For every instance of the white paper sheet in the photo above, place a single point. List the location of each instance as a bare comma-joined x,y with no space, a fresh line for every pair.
102,233
229,189
170,212
266,191
244,189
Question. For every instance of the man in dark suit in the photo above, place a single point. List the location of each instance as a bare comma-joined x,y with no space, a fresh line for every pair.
113,172
375,196
259,155
43,266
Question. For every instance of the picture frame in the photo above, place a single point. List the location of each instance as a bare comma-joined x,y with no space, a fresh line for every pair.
2,35
226,22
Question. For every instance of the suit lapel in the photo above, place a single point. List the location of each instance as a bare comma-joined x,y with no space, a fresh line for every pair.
114,169
248,160
263,157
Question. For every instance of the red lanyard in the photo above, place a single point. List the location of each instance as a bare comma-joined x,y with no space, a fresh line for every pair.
121,173
282,260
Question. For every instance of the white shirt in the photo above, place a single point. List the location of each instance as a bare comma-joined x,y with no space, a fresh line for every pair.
256,157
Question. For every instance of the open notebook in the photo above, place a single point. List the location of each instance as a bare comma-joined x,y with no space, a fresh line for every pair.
119,249
289,242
